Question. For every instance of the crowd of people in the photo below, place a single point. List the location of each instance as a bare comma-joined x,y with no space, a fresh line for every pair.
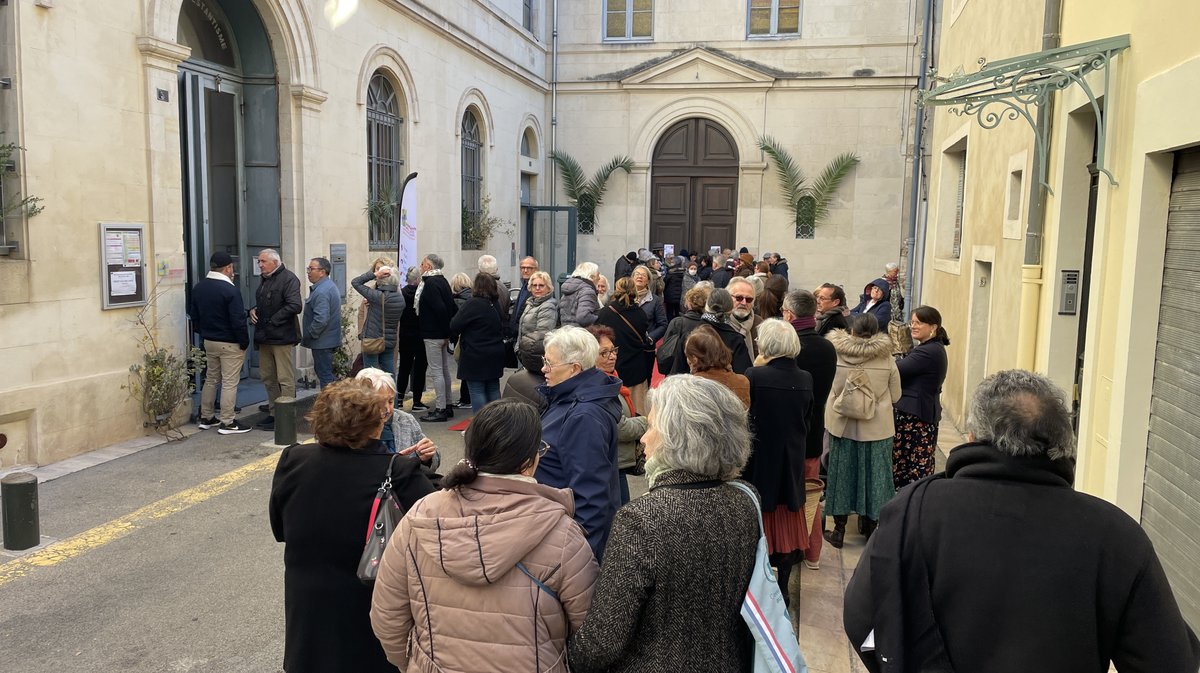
529,553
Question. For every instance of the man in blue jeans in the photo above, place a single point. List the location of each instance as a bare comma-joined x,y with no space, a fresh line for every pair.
322,319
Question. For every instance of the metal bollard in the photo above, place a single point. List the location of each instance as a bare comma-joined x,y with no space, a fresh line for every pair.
19,496
285,421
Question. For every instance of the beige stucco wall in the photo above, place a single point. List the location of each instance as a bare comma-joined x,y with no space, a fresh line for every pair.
982,342
1156,84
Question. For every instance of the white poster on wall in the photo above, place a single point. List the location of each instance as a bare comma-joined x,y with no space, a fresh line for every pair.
408,228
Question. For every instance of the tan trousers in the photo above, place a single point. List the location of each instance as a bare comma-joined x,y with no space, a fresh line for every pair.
224,365
640,395
277,367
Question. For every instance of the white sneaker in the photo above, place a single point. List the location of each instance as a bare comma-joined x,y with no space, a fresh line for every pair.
812,565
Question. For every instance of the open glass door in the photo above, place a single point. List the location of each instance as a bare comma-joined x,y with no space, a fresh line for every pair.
550,239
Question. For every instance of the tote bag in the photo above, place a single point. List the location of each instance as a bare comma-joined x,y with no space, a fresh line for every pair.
776,649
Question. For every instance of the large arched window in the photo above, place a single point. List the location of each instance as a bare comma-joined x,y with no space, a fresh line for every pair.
385,162
472,178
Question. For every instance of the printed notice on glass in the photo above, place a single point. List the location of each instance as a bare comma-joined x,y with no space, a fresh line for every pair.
123,283
133,248
114,248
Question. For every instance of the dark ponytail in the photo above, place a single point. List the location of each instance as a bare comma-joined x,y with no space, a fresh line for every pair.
931,316
503,438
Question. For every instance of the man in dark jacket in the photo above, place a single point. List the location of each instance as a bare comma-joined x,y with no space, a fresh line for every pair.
529,266
779,265
625,266
673,287
219,317
818,358
275,317
435,309
580,426
874,300
999,565
831,308
721,275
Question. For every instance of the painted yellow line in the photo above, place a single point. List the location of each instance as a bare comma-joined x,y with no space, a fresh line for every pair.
116,529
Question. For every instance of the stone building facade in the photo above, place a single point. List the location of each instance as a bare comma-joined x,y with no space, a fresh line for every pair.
246,124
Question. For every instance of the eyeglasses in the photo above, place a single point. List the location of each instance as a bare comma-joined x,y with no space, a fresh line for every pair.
537,285
546,364
314,268
743,299
823,299
609,352
543,449
528,268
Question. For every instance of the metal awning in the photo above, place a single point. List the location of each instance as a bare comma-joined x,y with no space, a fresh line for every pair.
1016,88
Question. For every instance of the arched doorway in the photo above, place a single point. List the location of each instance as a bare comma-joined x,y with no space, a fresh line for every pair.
229,141
229,137
693,187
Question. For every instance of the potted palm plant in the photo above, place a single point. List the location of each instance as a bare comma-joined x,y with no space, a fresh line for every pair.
808,200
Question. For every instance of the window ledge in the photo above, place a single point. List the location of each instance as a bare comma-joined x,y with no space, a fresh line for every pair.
627,40
776,36
948,265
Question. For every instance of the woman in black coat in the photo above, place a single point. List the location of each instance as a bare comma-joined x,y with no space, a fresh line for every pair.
781,399
478,328
919,409
320,504
411,348
628,322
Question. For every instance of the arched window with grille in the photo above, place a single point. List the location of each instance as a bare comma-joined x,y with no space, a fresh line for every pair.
472,178
385,162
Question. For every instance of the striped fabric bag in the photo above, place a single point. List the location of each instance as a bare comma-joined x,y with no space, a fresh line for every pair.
776,648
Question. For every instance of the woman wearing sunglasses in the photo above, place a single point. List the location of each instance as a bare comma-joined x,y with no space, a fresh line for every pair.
491,574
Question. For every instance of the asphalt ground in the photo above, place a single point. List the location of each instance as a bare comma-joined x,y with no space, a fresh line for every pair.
159,561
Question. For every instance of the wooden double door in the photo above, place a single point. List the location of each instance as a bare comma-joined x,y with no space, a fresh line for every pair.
693,187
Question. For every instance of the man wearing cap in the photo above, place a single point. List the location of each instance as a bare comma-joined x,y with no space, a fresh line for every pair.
624,267
220,318
322,319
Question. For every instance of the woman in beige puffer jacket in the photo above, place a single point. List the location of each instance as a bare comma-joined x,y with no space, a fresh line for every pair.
492,574
860,449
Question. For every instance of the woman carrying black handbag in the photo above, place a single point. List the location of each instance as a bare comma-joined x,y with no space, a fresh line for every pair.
320,502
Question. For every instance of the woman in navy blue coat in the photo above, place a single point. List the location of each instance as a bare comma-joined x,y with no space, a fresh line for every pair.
874,300
922,372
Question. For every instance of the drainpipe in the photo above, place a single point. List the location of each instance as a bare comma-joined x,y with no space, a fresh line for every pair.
1031,271
554,106
914,253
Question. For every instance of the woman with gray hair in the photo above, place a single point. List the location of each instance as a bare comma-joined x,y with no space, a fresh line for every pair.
580,425
690,541
385,306
781,402
578,303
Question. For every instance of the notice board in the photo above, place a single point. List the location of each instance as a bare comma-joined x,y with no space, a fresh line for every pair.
122,265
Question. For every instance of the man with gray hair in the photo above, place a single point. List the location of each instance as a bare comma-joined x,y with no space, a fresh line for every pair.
998,565
275,317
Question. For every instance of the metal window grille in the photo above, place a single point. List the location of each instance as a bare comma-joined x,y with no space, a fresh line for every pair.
384,160
472,176
628,19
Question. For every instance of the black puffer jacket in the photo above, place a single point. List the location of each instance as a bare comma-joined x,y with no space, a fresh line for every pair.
278,306
382,319
435,307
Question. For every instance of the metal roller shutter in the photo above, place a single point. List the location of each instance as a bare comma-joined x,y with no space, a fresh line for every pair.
1171,504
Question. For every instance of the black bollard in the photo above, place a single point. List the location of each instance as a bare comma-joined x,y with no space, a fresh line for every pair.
285,421
19,496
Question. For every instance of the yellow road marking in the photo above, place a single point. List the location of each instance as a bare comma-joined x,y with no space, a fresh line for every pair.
101,535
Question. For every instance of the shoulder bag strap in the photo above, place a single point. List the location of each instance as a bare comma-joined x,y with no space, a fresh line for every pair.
627,323
757,507
540,584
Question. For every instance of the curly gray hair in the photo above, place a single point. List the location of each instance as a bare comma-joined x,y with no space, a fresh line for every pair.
703,427
1022,414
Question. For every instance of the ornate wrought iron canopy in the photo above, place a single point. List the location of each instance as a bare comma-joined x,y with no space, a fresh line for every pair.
1017,88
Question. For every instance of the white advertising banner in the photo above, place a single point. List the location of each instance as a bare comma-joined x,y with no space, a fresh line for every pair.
408,227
